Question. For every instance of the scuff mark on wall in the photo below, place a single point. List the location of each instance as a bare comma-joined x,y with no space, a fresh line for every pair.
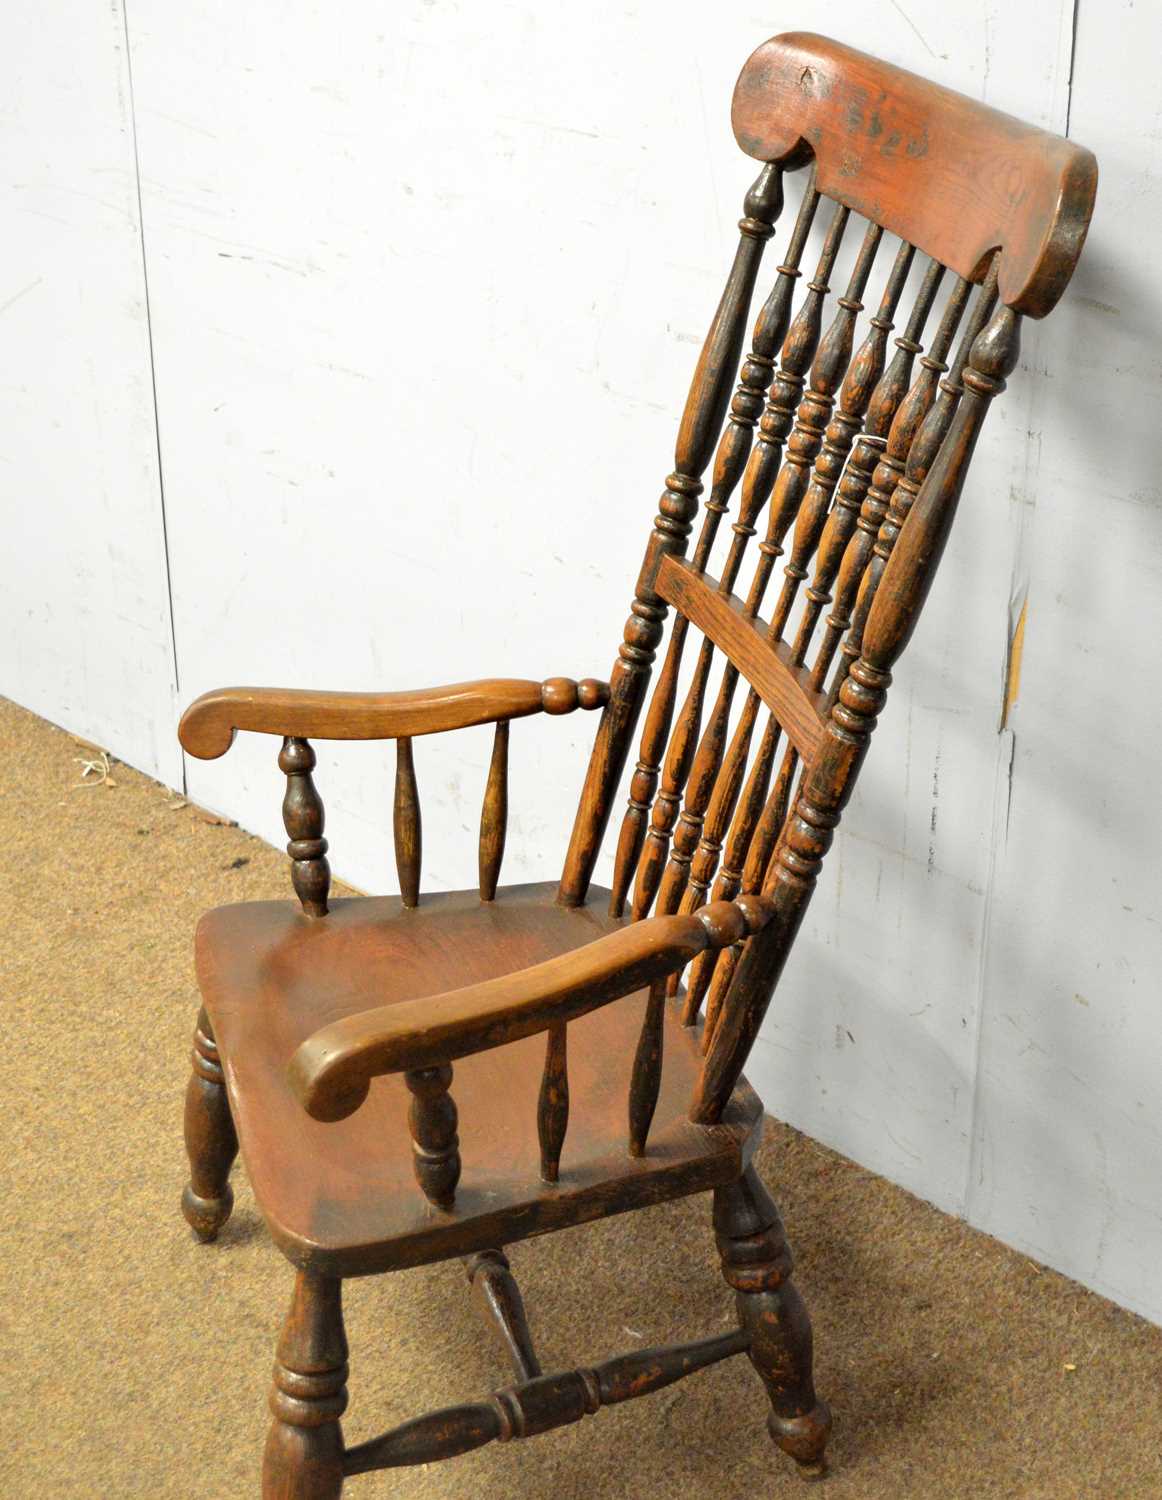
1014,651
1011,690
1008,754
935,811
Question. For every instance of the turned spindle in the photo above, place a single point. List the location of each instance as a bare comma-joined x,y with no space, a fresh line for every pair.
864,383
767,465
839,554
303,817
898,410
821,528
734,446
794,490
701,422
435,1144
553,1101
407,825
809,829
498,1297
756,821
798,349
892,492
646,1077
494,814
789,499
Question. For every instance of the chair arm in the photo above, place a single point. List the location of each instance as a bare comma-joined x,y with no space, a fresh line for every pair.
208,726
332,1070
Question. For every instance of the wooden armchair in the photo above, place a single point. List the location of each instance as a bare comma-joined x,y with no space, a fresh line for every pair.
650,995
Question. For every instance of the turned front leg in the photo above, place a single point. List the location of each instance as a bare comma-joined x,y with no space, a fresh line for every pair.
756,1262
211,1143
304,1450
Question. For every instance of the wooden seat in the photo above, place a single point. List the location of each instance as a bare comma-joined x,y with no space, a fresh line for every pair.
342,1197
549,1025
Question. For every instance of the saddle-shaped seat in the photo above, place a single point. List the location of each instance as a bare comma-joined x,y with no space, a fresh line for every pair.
341,1197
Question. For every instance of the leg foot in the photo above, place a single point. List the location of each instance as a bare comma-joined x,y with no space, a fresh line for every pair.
304,1450
756,1262
211,1143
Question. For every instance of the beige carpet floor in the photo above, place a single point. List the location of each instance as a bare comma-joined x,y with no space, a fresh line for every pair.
136,1361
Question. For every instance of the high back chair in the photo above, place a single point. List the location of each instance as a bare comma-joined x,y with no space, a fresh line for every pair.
590,1043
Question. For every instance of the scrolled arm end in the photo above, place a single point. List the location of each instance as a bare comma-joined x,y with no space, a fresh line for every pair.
328,1080
208,726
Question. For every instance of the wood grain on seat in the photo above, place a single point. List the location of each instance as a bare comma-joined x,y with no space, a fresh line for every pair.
342,1197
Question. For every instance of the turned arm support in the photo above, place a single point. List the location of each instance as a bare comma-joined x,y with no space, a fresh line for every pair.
210,723
332,1069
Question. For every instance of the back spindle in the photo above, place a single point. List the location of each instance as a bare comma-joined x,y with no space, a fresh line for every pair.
303,817
681,759
763,819
909,422
701,422
827,537
839,548
734,446
406,824
867,386
978,377
494,814
919,452
797,349
863,373
892,501
831,360
795,491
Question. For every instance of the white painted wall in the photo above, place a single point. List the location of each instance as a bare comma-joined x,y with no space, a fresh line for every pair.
426,292
84,610
1067,1147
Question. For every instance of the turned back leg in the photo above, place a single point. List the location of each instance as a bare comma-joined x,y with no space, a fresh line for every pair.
211,1143
304,1449
756,1262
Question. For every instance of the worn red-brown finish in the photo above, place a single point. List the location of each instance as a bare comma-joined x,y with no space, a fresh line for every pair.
341,1197
433,1076
210,723
744,638
944,172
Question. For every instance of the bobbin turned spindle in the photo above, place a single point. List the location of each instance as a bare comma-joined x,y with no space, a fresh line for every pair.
302,816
